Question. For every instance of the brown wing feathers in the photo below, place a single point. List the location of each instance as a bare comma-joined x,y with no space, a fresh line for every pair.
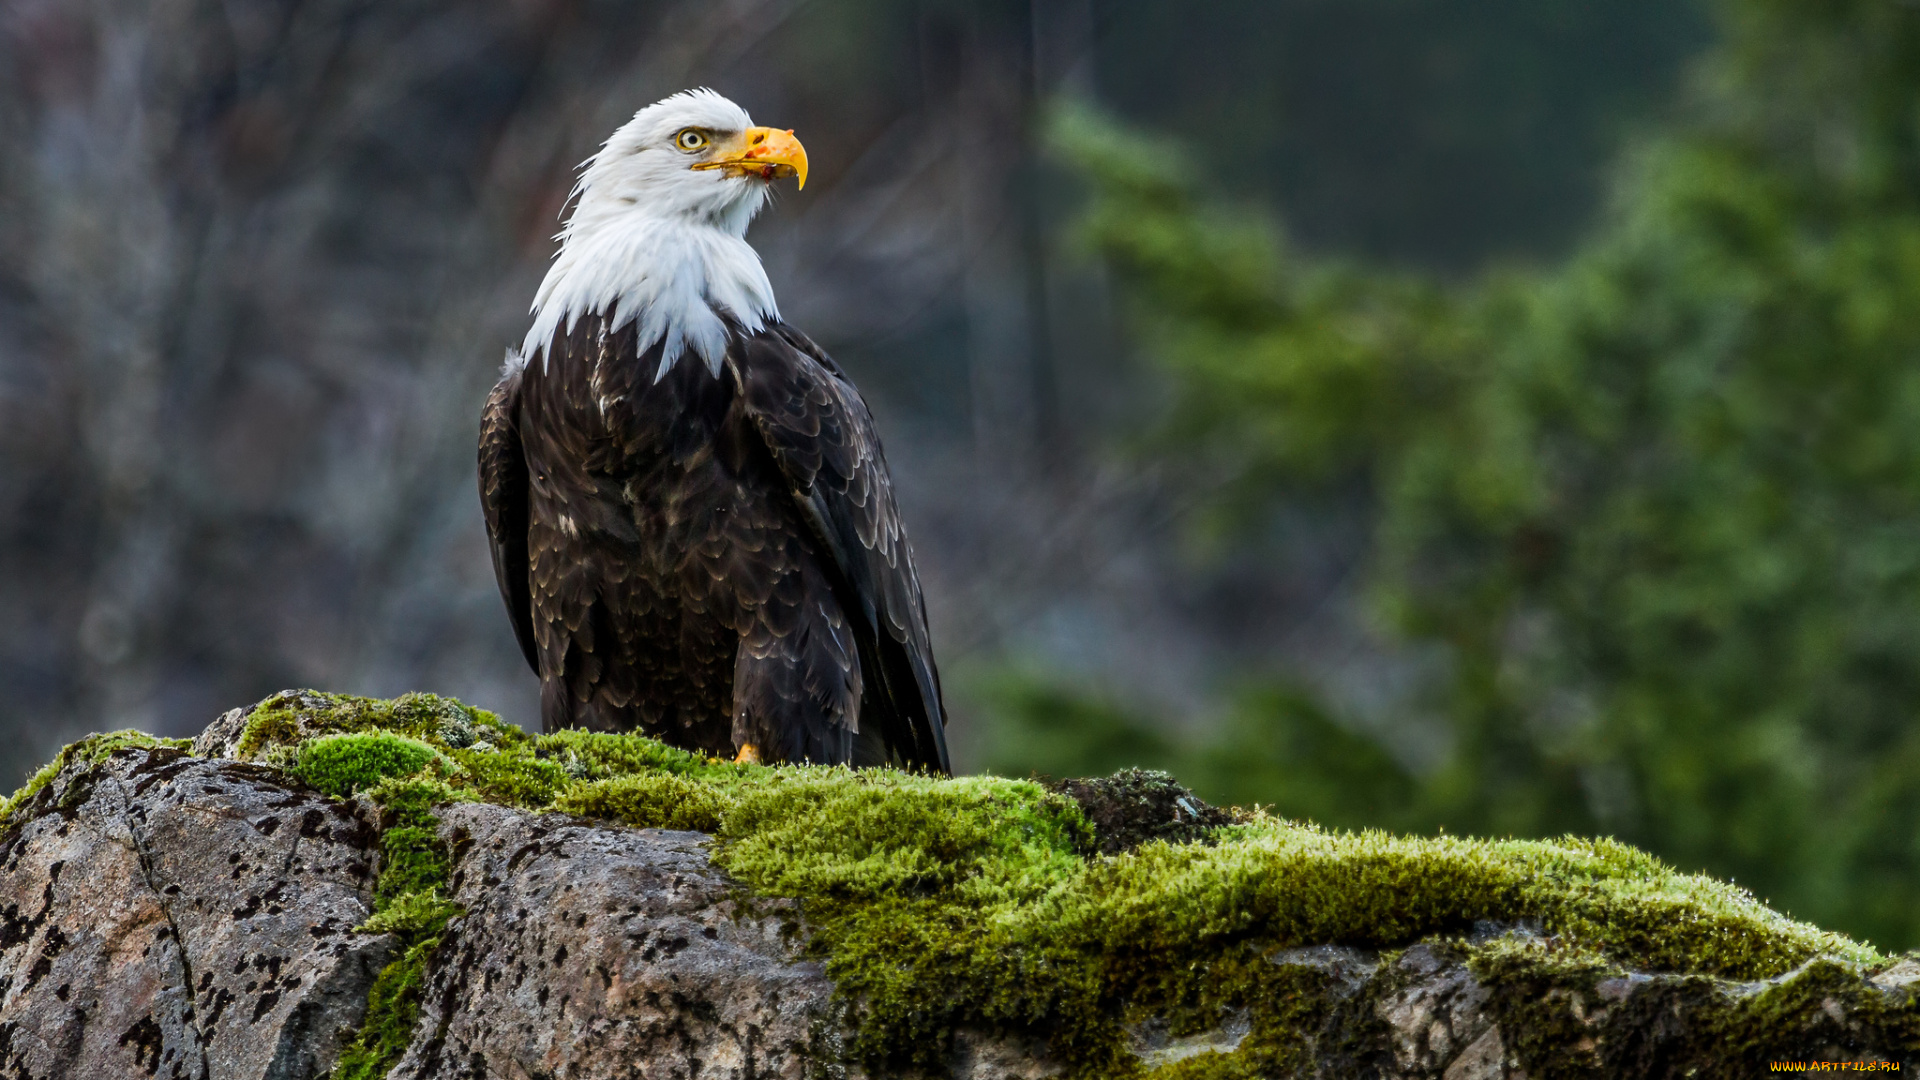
823,438
503,497
714,561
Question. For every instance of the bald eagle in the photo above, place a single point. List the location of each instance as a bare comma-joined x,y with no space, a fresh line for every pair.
690,515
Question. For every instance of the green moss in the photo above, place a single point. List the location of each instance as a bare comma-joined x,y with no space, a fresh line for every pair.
92,750
1794,1016
1541,990
410,800
393,1007
413,862
1296,1008
1298,884
412,914
413,859
343,765
594,755
662,801
1210,1066
967,894
409,902
410,894
510,779
987,902
875,834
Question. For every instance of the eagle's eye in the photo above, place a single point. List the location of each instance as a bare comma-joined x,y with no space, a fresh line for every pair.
690,140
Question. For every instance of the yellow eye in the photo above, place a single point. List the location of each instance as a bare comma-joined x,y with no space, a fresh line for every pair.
690,140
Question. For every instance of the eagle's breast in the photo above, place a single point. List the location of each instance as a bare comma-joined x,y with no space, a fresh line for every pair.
663,533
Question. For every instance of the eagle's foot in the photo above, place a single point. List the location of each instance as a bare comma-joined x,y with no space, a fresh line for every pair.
749,754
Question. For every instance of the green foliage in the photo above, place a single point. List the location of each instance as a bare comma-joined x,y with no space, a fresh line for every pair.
1427,130
1033,724
1659,507
1280,748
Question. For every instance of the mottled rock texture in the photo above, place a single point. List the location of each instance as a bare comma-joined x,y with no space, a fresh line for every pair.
588,944
169,915
162,915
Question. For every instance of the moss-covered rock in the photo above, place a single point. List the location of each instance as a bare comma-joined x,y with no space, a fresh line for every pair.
291,717
91,750
1125,926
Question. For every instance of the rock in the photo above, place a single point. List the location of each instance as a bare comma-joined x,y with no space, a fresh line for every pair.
1155,1045
185,917
221,739
1899,976
162,915
583,944
1134,806
1437,1012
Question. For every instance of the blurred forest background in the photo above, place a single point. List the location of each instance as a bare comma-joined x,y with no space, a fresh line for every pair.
1496,416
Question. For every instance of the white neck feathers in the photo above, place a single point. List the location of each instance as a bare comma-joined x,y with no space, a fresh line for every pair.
676,277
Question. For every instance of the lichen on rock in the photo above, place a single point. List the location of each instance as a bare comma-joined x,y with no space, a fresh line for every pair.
565,902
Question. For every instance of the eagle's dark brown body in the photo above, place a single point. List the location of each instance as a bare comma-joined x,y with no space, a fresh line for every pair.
715,561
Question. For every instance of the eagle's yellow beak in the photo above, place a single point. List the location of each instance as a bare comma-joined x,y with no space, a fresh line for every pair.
768,152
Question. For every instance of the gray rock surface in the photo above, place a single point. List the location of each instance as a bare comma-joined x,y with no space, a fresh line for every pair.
1438,1017
590,944
173,916
221,739
168,916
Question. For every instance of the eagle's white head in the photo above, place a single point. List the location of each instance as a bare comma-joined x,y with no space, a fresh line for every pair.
657,233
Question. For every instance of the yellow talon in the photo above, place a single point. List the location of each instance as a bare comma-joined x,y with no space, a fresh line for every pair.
749,754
